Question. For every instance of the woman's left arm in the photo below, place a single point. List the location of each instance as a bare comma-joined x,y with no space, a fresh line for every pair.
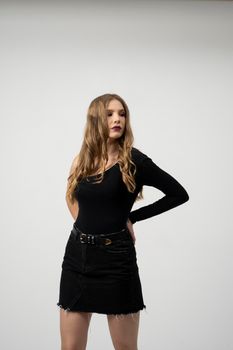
151,174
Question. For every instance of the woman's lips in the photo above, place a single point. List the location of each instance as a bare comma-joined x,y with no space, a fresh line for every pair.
116,129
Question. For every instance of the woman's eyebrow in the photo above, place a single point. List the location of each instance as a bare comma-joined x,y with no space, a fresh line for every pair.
111,110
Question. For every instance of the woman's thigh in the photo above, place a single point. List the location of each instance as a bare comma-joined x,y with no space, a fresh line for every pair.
74,329
124,330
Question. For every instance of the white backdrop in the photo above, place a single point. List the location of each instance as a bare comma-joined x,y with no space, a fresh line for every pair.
172,63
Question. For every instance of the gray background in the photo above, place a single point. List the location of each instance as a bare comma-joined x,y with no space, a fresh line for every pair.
172,63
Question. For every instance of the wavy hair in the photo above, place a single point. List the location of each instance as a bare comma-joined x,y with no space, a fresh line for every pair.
94,147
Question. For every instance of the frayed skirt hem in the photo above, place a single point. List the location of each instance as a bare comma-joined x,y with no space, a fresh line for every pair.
103,312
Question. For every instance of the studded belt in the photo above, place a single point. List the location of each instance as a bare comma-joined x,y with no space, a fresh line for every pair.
102,238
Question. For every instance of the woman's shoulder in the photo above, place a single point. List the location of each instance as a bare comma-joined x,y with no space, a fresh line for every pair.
137,155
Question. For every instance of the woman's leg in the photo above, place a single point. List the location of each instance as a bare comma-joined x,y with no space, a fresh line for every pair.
124,330
74,329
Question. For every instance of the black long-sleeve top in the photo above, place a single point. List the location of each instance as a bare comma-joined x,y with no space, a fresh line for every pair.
105,207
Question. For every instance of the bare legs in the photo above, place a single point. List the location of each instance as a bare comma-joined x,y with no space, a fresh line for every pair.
124,330
74,330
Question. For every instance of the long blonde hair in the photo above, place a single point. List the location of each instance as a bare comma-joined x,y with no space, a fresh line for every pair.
94,146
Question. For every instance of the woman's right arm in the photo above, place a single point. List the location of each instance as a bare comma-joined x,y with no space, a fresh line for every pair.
73,207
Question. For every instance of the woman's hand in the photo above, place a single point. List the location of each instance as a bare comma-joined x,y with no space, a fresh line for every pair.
130,227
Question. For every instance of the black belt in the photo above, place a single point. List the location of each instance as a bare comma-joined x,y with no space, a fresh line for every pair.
102,238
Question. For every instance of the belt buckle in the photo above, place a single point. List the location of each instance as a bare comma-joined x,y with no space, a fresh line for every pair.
87,238
82,236
108,241
90,239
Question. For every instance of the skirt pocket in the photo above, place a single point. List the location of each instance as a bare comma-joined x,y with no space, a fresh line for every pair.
121,246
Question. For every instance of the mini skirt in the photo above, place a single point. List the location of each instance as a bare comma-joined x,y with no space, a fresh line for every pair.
100,274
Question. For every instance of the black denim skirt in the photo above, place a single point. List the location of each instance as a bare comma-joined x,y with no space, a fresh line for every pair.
100,274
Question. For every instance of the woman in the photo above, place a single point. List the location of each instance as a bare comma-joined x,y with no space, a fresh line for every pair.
99,268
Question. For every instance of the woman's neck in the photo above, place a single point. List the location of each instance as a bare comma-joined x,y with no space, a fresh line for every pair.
113,150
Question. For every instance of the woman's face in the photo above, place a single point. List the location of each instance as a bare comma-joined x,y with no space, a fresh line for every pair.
116,119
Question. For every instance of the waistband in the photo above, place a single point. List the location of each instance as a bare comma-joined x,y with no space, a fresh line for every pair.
102,238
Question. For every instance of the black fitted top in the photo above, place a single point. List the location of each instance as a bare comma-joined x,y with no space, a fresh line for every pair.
105,207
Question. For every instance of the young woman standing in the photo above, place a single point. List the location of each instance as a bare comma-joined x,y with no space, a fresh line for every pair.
99,269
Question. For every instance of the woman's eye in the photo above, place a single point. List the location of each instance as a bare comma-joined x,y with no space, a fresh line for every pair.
110,114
